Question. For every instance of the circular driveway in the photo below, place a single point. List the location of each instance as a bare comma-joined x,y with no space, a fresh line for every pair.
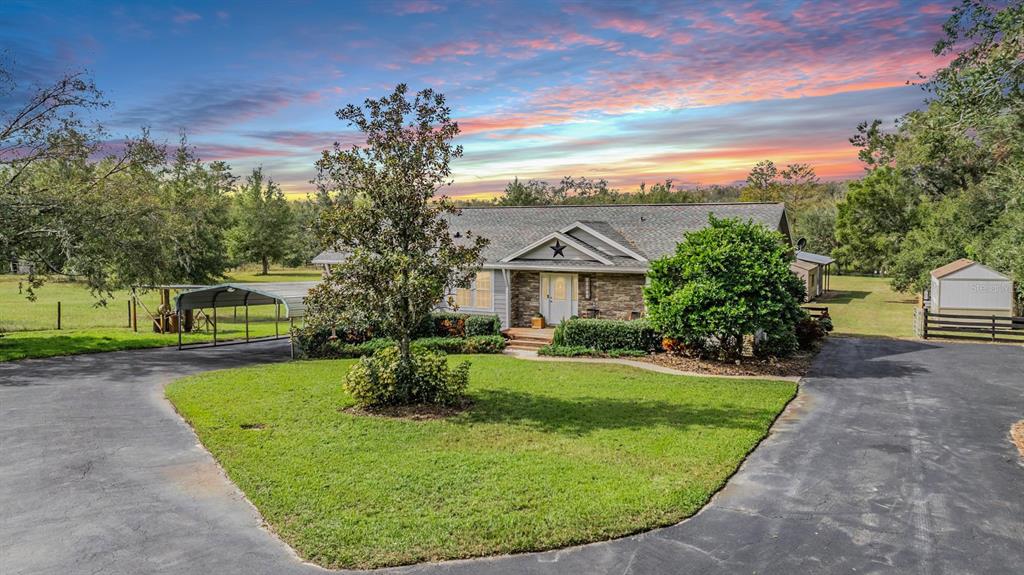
894,458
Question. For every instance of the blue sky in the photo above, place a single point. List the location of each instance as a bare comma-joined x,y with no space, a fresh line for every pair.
628,91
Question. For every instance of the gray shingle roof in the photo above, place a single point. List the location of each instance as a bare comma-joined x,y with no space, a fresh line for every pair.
651,230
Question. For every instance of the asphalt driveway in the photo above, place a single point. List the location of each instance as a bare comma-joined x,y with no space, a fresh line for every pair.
894,458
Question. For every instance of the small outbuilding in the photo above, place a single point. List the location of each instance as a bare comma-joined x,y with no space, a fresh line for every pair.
969,288
814,270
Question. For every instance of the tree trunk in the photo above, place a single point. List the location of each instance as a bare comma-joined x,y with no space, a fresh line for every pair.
266,265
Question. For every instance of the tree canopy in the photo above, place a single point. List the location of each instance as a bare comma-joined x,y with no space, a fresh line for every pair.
724,282
946,182
111,215
402,258
264,224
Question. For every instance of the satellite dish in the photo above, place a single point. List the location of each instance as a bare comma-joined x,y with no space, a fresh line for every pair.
801,244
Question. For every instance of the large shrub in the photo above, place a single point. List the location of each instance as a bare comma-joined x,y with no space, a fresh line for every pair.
606,334
383,379
483,325
724,282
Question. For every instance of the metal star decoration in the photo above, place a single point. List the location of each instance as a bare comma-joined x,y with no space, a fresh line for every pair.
557,248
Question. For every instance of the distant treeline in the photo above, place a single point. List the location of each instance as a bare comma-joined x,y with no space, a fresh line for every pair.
811,203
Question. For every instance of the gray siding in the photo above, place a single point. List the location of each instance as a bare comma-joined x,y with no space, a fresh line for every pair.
500,302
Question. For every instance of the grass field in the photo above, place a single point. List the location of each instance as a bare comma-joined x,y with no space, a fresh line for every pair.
863,305
78,306
550,455
88,328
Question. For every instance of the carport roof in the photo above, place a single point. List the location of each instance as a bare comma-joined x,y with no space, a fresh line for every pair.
291,294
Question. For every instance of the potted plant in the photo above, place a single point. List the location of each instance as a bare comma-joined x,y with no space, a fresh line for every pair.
537,321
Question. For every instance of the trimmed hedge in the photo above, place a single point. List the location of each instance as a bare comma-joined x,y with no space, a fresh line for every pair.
606,335
472,344
315,343
458,324
580,351
483,325
455,345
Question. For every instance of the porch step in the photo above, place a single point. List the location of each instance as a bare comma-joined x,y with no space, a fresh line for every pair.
528,339
526,344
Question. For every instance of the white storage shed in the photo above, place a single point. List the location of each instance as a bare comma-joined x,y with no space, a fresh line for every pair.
969,288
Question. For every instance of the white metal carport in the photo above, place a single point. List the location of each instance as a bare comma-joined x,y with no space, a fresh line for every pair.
289,295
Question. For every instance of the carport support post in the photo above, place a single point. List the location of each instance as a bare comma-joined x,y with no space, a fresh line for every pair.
245,302
214,324
277,318
179,330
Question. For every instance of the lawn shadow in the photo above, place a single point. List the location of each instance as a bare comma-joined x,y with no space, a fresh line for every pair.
584,415
845,296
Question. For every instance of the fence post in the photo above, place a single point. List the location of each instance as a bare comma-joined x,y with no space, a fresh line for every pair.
129,302
925,336
58,315
993,328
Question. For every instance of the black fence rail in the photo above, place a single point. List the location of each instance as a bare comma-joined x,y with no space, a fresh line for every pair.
816,311
999,328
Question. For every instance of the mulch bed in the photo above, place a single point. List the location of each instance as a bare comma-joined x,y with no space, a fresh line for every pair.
1017,435
795,366
410,412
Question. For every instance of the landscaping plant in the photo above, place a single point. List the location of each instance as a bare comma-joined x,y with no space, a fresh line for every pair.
725,282
385,379
607,334
401,257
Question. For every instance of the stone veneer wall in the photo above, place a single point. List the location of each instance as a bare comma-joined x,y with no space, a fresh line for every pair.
615,296
525,296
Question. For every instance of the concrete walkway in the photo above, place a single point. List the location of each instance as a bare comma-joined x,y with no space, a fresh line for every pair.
895,458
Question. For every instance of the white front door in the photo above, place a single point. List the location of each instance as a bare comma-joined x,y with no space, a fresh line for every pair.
556,297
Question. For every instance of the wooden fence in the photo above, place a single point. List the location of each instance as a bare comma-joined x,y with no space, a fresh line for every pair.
1000,328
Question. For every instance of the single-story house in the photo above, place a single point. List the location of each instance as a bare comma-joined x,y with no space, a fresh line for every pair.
814,270
965,287
589,261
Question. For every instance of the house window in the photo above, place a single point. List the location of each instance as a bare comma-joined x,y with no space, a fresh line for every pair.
480,293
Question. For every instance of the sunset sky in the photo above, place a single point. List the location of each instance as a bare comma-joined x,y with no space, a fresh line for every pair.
627,91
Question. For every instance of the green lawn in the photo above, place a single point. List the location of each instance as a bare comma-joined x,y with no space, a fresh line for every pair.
863,305
550,455
88,328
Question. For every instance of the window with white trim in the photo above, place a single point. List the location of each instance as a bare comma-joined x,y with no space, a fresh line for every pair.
480,293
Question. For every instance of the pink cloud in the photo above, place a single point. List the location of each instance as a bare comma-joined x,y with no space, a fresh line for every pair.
935,9
447,50
631,26
219,152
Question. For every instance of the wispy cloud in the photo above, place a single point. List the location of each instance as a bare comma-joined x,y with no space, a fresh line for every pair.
417,7
213,106
184,17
